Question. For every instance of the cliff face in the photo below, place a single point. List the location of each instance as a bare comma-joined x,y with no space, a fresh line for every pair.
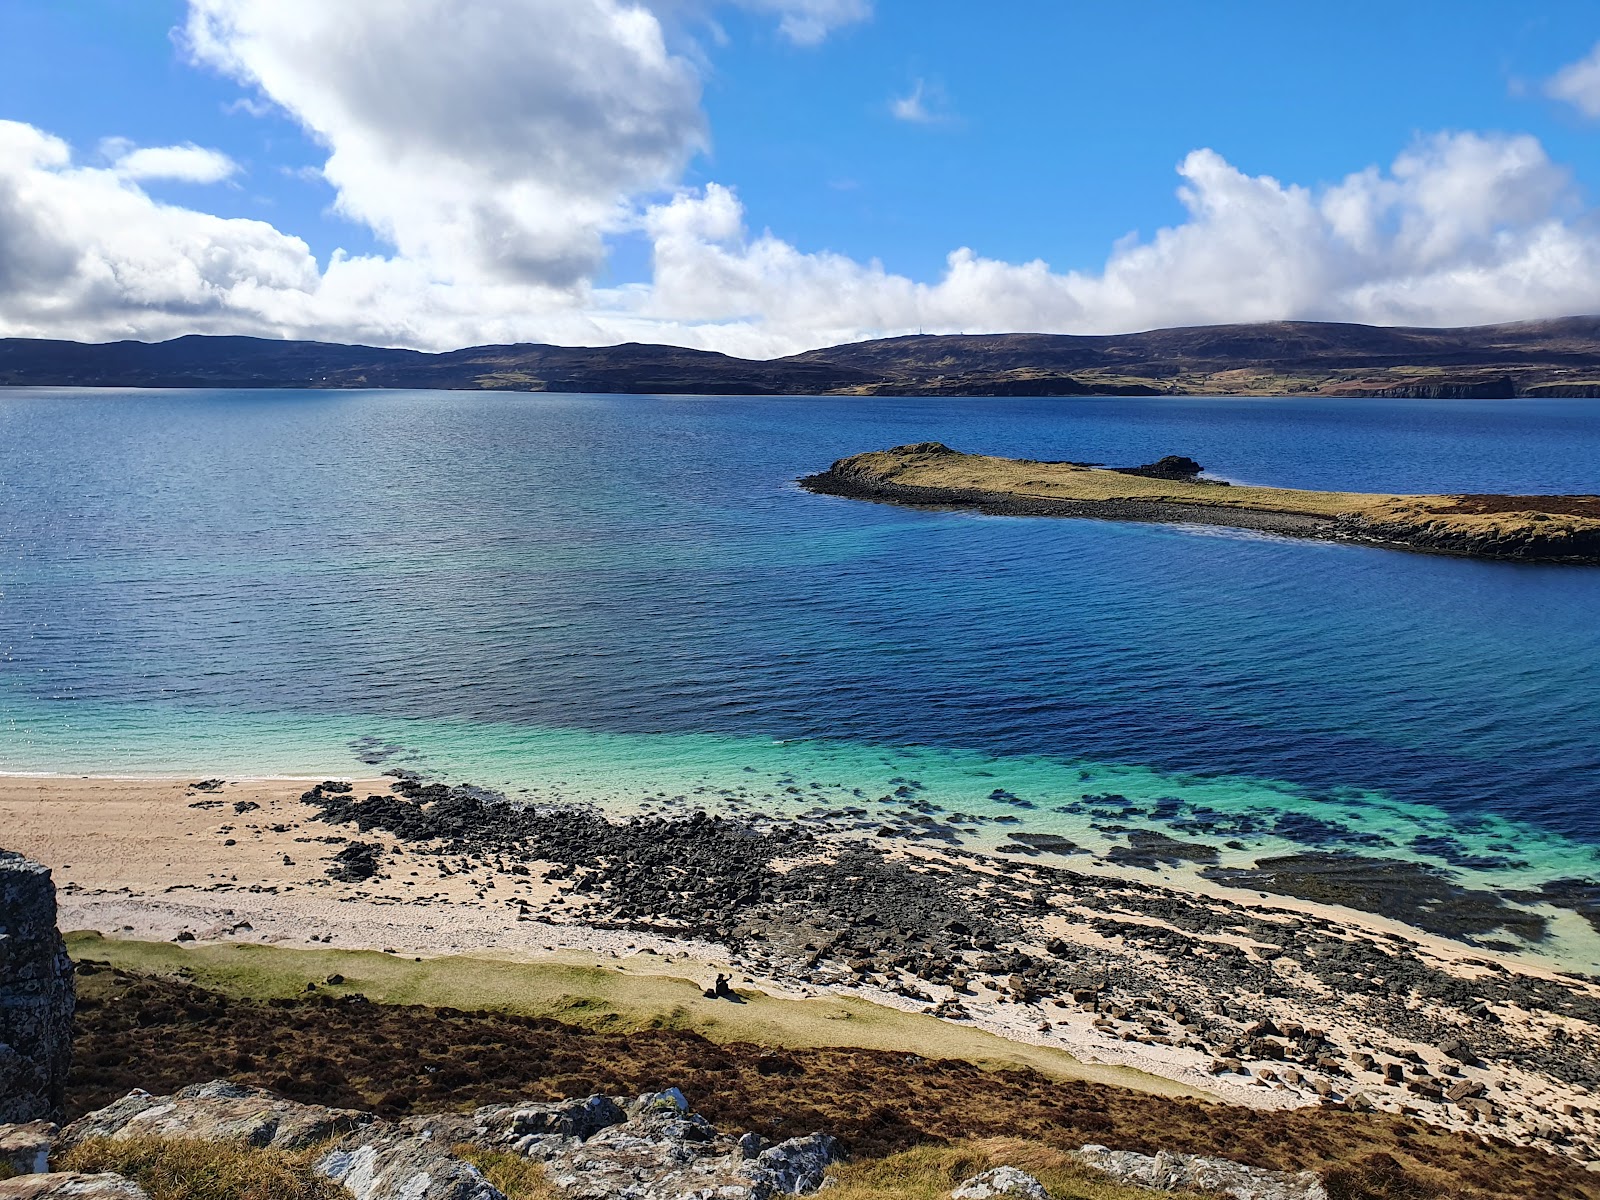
36,995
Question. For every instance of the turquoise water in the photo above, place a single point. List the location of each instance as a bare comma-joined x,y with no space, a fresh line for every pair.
625,599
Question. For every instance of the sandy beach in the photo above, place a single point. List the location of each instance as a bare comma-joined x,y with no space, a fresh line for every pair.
1222,994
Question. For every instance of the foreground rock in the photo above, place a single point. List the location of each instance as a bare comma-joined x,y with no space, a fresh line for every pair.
593,1148
66,1184
36,995
216,1112
383,1162
1194,1173
1000,1181
25,1149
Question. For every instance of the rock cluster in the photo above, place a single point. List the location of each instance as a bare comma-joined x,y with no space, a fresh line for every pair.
1195,1173
593,1149
36,995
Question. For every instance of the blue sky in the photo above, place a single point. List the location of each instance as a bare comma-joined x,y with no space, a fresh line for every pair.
857,133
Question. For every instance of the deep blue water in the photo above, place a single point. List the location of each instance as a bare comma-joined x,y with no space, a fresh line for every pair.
645,566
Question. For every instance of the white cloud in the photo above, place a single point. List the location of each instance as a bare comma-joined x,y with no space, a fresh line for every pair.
186,164
1579,84
498,140
808,22
912,106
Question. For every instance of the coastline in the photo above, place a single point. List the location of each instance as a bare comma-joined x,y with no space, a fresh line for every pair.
1524,529
1071,949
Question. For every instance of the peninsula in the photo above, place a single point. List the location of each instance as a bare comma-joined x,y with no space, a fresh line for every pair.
1562,529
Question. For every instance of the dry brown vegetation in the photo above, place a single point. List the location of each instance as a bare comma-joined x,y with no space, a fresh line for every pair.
181,1169
163,1034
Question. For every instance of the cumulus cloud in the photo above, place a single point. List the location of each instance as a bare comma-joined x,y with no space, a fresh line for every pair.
1578,84
912,106
187,163
498,140
1462,228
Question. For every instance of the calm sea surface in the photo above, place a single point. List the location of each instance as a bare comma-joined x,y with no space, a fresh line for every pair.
611,597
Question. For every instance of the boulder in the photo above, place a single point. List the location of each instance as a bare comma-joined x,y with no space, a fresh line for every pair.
36,995
64,1184
666,1152
216,1111
1195,1173
1000,1181
25,1149
384,1162
521,1127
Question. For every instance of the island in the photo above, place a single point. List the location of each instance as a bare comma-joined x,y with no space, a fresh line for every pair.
1545,529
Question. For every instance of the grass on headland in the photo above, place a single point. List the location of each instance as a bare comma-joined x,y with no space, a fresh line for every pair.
185,1169
576,990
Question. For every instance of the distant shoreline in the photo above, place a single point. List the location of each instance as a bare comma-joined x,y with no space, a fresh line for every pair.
1524,529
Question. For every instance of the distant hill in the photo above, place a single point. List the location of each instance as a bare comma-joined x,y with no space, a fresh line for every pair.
1531,358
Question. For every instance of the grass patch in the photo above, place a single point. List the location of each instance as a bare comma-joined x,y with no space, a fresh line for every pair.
931,1172
184,1169
577,990
518,1177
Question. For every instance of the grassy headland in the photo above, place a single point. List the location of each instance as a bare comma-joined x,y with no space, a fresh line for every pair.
1532,528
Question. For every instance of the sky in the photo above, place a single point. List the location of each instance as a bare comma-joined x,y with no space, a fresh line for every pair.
762,177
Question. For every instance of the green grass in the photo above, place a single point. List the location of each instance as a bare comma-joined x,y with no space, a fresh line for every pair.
518,1177
578,990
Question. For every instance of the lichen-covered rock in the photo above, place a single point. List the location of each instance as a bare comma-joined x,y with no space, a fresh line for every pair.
216,1111
385,1162
68,1185
1000,1181
521,1127
1195,1173
665,1152
36,995
25,1149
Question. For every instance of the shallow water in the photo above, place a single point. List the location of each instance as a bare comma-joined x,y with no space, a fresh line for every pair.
606,598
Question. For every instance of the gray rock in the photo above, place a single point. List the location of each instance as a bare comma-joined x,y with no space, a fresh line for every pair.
25,1149
36,995
385,1162
665,1152
65,1184
1192,1172
521,1127
1000,1181
216,1111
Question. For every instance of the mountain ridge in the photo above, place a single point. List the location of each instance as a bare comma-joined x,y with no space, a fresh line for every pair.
1558,357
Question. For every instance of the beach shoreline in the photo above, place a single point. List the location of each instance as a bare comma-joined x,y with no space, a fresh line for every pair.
1116,967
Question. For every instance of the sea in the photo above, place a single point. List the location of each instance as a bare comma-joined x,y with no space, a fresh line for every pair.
627,601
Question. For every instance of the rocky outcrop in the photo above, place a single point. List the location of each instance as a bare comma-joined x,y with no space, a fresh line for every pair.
1195,1173
384,1162
215,1112
593,1148
1000,1181
36,995
25,1149
69,1185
